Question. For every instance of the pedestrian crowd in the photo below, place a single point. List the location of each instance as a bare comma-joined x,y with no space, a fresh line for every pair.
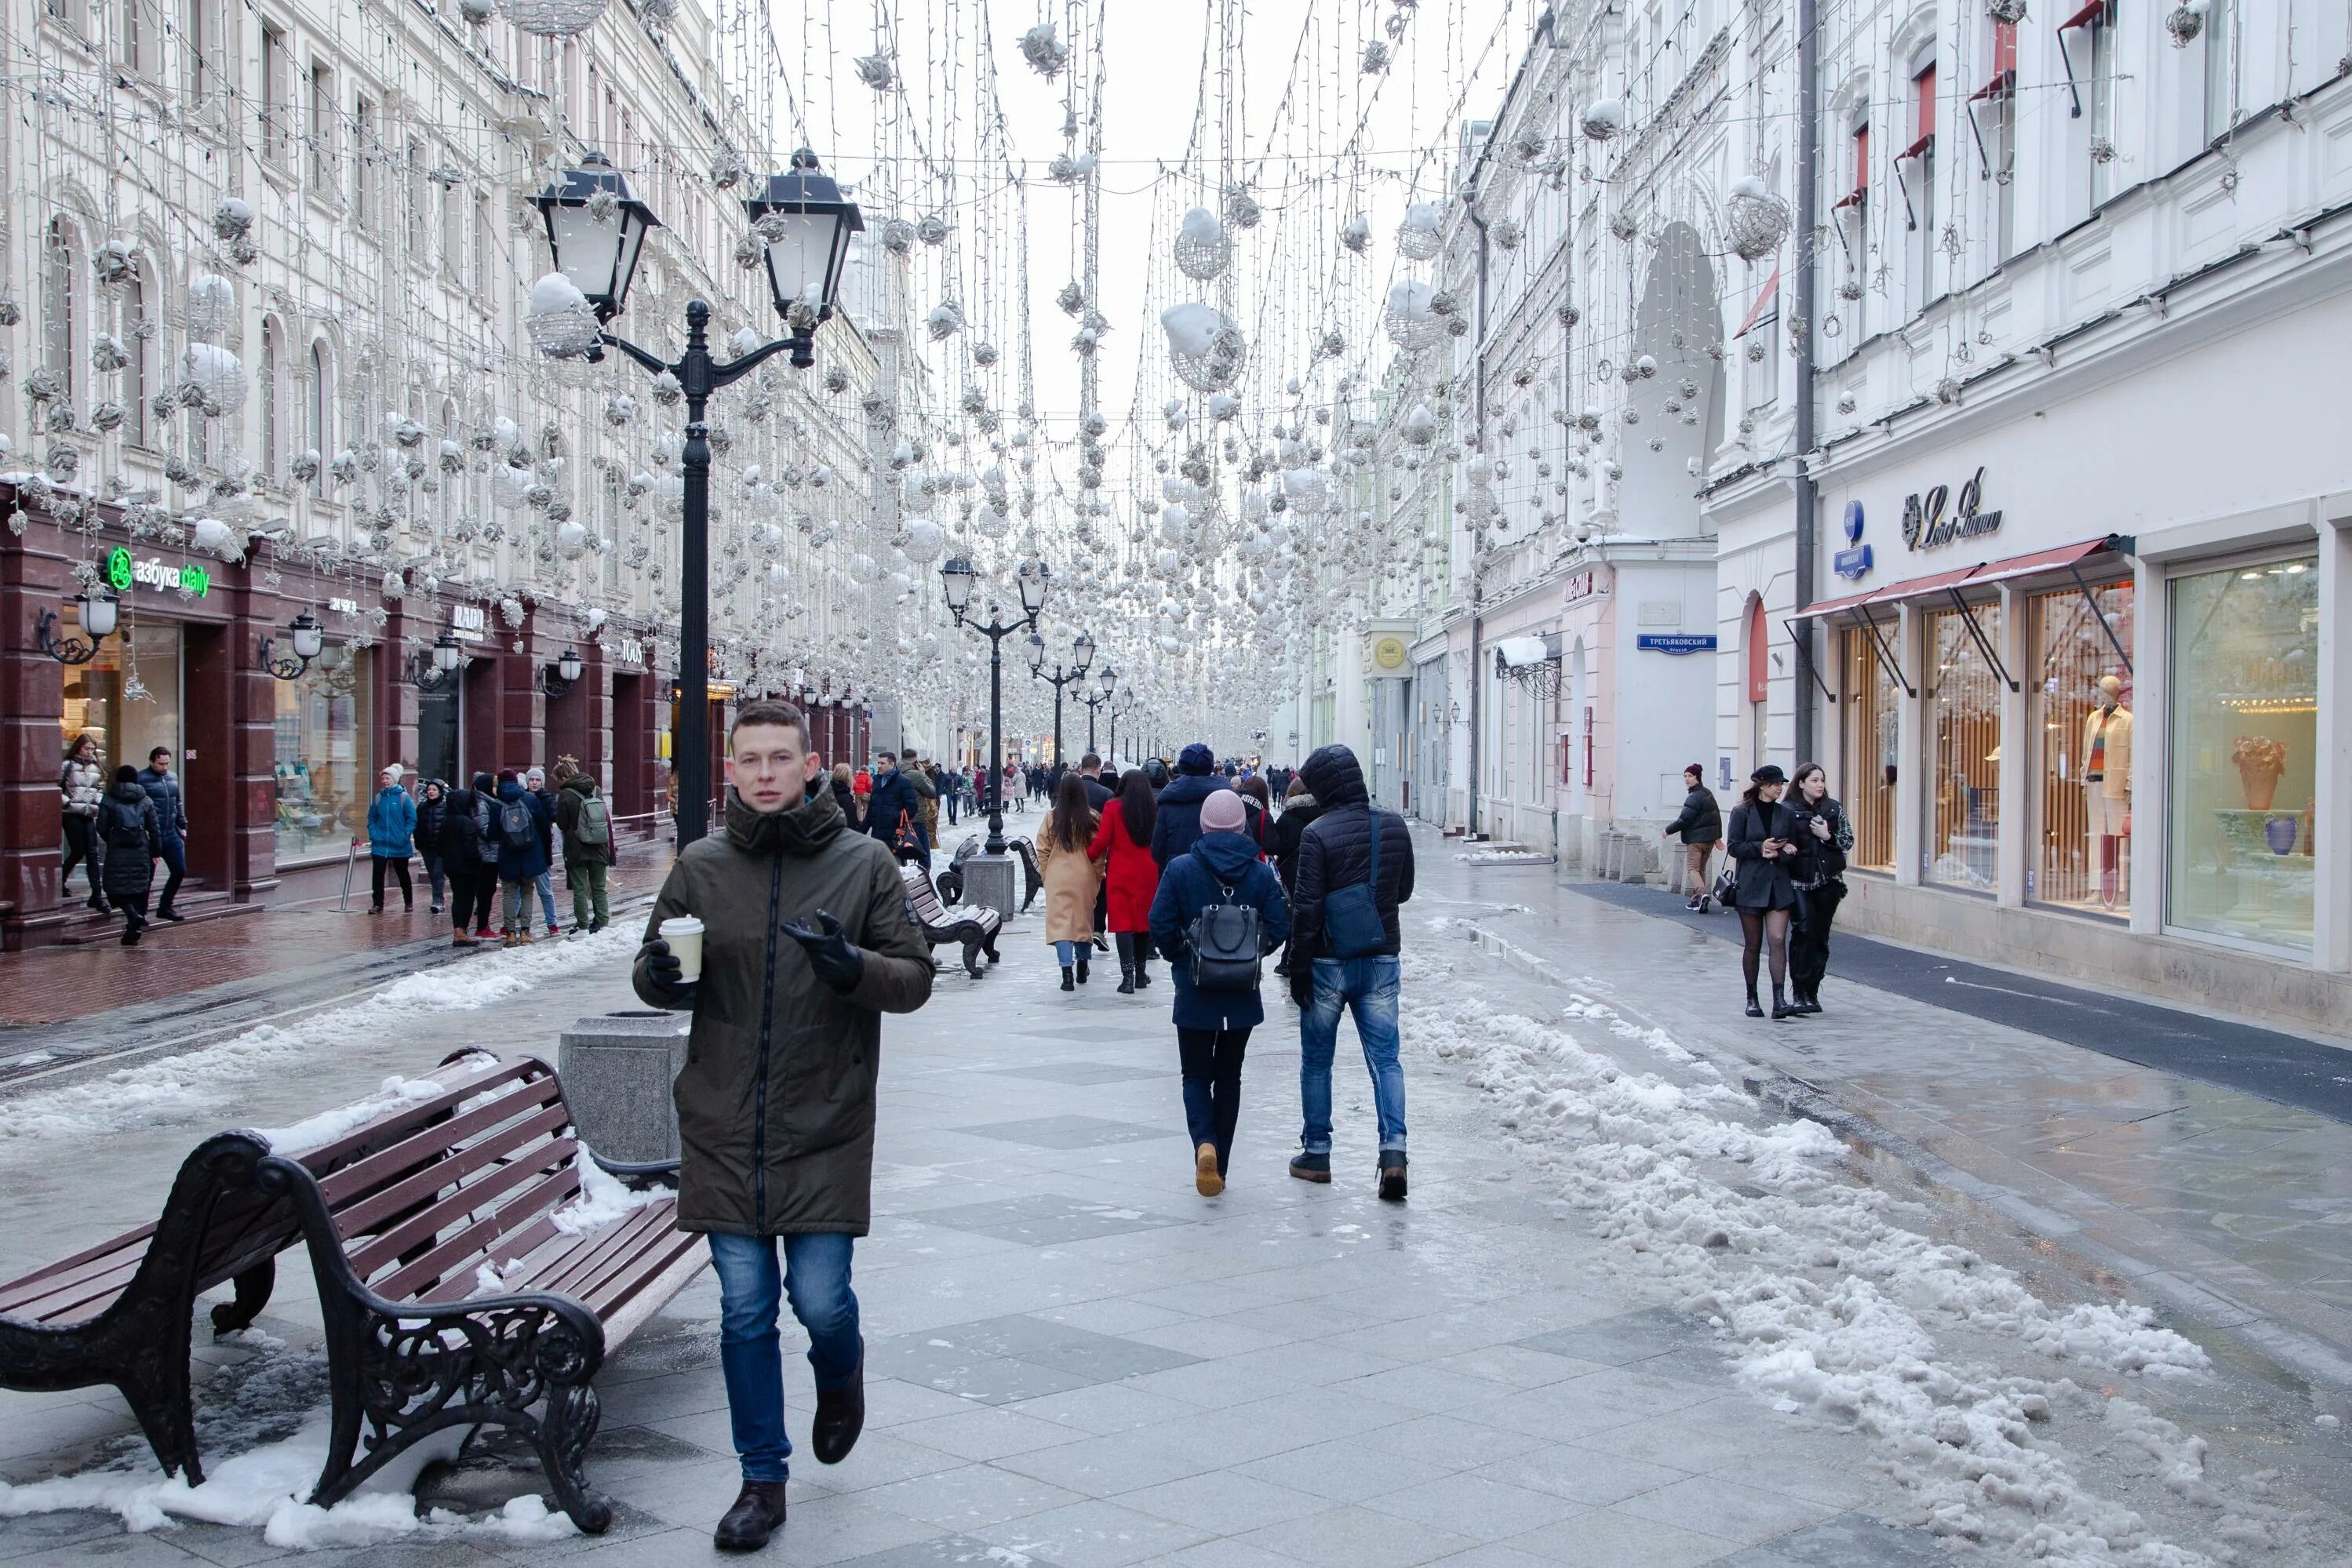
1786,876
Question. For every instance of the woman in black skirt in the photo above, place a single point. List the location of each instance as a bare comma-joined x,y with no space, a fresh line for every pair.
1761,838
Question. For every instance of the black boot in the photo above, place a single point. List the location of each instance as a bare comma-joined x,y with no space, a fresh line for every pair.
840,1417
1143,971
1780,1007
1082,966
1127,980
1067,984
1393,1175
758,1510
1754,1009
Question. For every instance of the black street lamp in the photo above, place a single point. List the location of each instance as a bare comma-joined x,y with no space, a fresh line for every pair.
595,230
957,579
557,679
1121,705
438,670
1082,654
97,612
1106,683
308,639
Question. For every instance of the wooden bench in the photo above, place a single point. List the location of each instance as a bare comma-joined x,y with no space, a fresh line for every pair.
950,881
457,1283
974,929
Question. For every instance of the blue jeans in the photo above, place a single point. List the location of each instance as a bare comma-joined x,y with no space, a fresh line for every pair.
546,899
1069,952
815,1276
1368,986
175,864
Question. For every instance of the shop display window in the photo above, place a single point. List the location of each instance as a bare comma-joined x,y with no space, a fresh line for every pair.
1962,713
127,698
324,718
2239,854
2079,713
1867,764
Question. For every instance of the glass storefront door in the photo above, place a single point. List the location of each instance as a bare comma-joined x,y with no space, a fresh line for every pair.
2239,856
1868,758
127,698
440,739
1962,710
324,718
2079,713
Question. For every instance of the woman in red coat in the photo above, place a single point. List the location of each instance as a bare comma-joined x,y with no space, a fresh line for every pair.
1124,836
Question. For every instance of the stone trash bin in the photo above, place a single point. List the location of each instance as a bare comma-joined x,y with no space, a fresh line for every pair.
617,1070
990,881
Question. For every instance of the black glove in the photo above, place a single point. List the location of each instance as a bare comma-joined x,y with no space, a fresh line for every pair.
664,975
1302,984
836,963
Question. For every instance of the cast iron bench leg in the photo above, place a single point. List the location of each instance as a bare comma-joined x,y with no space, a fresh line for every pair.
253,1288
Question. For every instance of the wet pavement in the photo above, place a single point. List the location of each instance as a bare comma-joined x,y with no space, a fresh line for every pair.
1076,1361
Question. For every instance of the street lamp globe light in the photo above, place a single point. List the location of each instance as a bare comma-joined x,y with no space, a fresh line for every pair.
956,577
99,611
1031,577
1082,654
1109,680
448,653
569,666
804,224
310,637
1036,652
596,242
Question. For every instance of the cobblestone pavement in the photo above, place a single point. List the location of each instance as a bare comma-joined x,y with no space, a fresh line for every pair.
1076,1361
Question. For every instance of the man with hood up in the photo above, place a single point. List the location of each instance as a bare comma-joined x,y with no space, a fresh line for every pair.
1344,954
1178,824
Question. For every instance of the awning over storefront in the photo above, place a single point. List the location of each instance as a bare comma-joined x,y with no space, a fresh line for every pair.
2065,558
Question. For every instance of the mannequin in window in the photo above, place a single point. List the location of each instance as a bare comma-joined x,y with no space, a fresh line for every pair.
2106,782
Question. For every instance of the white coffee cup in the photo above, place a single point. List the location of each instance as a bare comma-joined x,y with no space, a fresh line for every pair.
683,935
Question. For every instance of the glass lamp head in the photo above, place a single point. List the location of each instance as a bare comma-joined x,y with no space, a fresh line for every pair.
1082,654
596,249
310,637
805,224
100,613
447,653
956,579
569,666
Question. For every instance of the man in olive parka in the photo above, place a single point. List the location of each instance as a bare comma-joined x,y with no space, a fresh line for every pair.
806,943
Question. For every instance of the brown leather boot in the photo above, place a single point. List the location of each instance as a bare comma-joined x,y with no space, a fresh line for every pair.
757,1512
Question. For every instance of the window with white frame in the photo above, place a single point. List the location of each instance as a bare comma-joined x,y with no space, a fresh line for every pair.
325,180
318,423
276,97
61,337
1917,168
130,305
130,36
273,366
364,152
2221,37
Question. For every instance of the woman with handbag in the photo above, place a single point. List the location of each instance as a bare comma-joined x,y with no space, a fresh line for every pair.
1071,877
1123,844
1218,911
1825,834
1762,839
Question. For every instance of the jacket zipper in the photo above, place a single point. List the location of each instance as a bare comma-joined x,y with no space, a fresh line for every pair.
760,1090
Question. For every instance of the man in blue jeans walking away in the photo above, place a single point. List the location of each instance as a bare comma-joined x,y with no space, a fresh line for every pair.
805,945
1355,867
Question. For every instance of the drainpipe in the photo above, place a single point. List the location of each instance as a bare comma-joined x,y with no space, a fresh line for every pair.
1809,130
1478,407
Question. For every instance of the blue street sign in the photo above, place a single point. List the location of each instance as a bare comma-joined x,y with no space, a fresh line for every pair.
1676,643
1852,564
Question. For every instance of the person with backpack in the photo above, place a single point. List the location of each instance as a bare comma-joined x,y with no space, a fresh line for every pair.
127,826
391,834
927,792
1355,867
1177,823
81,790
471,882
486,895
171,818
518,827
535,780
1298,810
586,822
1218,911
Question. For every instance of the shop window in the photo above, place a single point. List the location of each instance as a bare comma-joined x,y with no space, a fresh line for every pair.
324,719
1962,714
2220,38
2239,854
130,310
60,345
127,697
2079,714
1868,749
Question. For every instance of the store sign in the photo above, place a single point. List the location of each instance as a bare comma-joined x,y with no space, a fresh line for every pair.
1675,642
124,572
1580,586
1926,525
343,606
1853,562
630,653
468,623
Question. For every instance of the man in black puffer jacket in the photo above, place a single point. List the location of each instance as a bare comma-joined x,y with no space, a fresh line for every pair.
1178,825
1335,854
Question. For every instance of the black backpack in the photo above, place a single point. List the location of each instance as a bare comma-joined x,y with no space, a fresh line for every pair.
1224,939
125,829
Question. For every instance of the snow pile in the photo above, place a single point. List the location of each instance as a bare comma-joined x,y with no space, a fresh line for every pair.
1502,857
1824,1303
603,1198
176,1090
264,1427
317,1131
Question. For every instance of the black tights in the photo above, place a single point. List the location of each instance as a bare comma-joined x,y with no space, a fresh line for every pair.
1758,926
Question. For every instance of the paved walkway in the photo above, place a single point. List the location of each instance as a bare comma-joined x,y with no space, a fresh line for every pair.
1077,1363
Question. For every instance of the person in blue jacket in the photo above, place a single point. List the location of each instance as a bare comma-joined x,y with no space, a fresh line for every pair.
391,837
1177,823
1213,1028
893,794
518,827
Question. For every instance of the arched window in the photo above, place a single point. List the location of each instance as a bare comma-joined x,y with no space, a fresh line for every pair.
318,421
453,485
273,368
1760,678
130,309
61,343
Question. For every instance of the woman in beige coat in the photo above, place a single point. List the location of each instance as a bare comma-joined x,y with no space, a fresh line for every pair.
1071,879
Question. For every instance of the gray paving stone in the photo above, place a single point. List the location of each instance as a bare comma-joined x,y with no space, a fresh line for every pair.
1094,1534
1223,1502
1070,1133
1343,1471
1358,1537
1477,1506
1045,1220
989,1432
1719,1506
1846,1542
1580,1474
970,1496
1606,1539
1084,1073
947,1552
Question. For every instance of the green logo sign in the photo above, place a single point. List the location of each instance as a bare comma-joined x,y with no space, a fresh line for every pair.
195,579
118,569
124,572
